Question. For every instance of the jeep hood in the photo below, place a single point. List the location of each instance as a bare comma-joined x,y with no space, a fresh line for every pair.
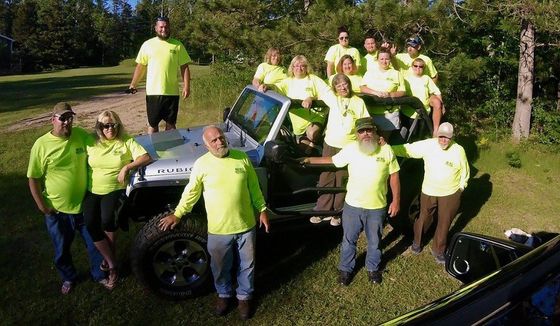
175,151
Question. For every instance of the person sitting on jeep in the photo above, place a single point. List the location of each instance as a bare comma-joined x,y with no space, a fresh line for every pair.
302,84
384,82
269,72
345,109
423,87
347,66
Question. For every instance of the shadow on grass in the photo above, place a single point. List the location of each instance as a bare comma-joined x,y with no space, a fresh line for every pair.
52,89
283,255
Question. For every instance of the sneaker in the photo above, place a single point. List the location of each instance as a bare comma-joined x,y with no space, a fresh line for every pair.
335,221
244,307
222,306
66,287
344,278
440,259
374,277
414,249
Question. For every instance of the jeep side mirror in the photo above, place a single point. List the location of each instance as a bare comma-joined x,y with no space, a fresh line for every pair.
225,114
472,256
275,152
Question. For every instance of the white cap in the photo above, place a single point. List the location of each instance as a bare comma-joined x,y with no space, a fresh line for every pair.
445,130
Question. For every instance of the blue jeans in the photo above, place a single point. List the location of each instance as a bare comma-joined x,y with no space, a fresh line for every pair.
62,228
223,250
354,220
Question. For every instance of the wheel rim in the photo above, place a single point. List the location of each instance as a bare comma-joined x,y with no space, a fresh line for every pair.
180,263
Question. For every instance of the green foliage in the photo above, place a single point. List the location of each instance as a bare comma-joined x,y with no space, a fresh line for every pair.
513,159
546,122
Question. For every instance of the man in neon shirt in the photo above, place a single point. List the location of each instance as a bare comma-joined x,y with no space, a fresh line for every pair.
336,51
403,61
369,61
365,207
229,185
164,57
57,175
446,173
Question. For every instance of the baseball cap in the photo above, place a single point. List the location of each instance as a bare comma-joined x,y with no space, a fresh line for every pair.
445,130
414,41
61,108
363,123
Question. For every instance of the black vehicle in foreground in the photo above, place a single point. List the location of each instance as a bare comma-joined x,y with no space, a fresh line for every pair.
507,284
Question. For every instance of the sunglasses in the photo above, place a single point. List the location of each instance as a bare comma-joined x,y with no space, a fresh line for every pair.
109,125
64,118
343,38
364,130
418,66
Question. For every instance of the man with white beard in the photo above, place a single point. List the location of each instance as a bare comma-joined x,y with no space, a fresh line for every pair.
365,207
446,173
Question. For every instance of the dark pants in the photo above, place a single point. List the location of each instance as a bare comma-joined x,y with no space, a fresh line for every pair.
447,207
99,213
327,202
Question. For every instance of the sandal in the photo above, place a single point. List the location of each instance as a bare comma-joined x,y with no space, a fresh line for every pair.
104,266
111,281
66,287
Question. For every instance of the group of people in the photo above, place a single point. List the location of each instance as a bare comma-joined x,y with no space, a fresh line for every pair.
355,136
76,178
381,72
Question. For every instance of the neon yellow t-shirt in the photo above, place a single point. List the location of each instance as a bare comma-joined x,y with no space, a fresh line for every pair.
355,80
231,192
367,174
389,80
336,52
445,171
369,61
343,113
421,87
270,74
300,89
164,59
61,165
105,161
404,61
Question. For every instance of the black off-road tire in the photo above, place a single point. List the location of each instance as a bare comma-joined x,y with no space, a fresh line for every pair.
175,263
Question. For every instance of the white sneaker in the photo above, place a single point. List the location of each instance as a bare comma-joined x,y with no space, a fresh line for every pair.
335,221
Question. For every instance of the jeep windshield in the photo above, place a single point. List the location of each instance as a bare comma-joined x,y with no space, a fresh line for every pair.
255,112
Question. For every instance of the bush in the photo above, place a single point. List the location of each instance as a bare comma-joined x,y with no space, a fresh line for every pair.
545,126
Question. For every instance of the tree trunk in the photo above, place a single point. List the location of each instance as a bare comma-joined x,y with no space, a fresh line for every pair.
525,78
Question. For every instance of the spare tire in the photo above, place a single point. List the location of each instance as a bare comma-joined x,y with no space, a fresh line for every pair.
173,263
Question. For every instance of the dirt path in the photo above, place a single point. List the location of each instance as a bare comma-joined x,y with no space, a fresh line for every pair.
131,109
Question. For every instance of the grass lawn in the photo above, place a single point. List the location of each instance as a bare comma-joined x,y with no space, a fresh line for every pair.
296,270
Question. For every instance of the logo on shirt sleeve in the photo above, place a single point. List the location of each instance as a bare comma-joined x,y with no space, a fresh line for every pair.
239,170
449,163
